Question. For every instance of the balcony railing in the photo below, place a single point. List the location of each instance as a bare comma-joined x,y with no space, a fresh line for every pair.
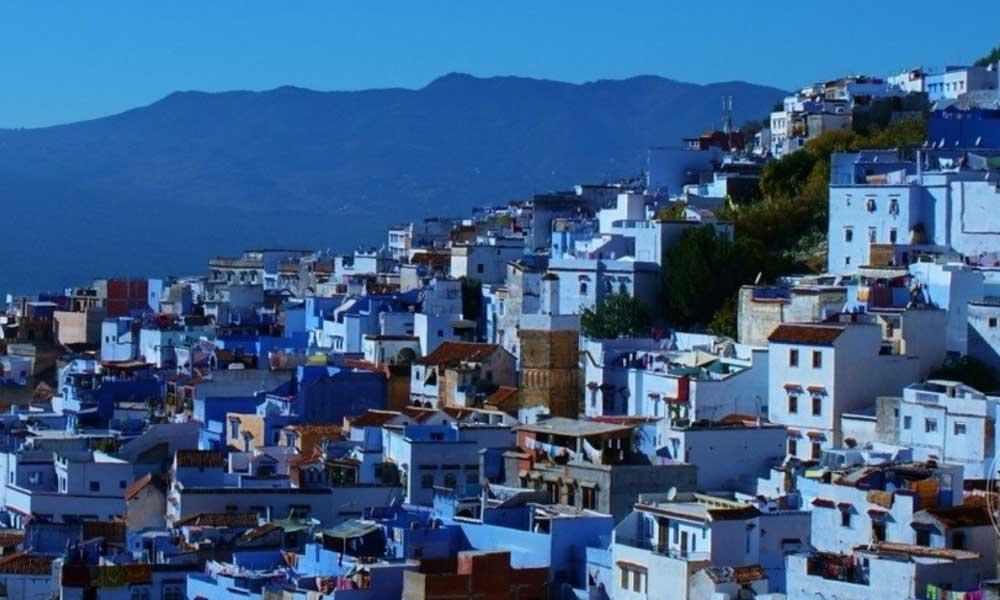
645,543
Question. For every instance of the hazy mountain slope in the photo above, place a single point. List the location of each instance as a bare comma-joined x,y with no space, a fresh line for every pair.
160,188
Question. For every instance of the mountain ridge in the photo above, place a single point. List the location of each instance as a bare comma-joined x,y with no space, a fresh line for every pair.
327,168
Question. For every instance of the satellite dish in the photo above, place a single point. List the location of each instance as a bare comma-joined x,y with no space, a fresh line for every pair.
671,494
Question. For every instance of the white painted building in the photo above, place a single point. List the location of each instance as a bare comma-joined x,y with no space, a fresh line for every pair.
950,422
818,372
730,454
486,259
939,210
687,377
884,571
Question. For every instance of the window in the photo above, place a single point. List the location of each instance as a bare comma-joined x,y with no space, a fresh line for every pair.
815,450
817,406
847,260
793,403
173,592
122,485
893,206
234,429
583,288
930,425
958,540
479,268
638,578
878,531
34,478
793,357
95,486
992,322
589,497
625,574
907,422
959,428
870,204
817,359
450,481
872,235
892,235
923,537
427,481
793,447
845,518
848,234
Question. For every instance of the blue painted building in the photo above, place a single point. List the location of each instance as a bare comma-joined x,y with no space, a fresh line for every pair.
327,394
953,127
238,391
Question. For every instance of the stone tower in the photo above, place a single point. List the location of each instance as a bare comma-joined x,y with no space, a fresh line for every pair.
550,355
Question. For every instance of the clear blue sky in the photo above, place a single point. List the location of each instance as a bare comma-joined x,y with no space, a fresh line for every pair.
65,61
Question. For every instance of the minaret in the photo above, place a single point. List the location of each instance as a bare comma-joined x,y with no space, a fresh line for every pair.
550,355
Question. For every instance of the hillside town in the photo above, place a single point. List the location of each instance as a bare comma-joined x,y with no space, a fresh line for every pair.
616,391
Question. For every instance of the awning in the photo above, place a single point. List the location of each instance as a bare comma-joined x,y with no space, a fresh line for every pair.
822,502
816,435
792,386
816,389
351,529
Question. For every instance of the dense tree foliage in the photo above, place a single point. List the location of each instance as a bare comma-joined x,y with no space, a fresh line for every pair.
615,316
968,370
992,57
784,232
704,270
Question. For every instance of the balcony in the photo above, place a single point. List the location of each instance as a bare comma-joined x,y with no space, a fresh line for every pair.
645,543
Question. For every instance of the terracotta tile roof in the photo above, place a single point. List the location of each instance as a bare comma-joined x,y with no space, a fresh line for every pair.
9,539
140,484
246,520
501,397
801,333
303,459
739,575
457,412
896,549
200,458
373,418
22,563
419,414
324,429
962,516
111,531
453,353
259,532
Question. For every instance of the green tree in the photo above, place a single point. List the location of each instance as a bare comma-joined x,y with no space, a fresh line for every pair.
704,269
724,321
673,211
615,316
991,58
968,370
